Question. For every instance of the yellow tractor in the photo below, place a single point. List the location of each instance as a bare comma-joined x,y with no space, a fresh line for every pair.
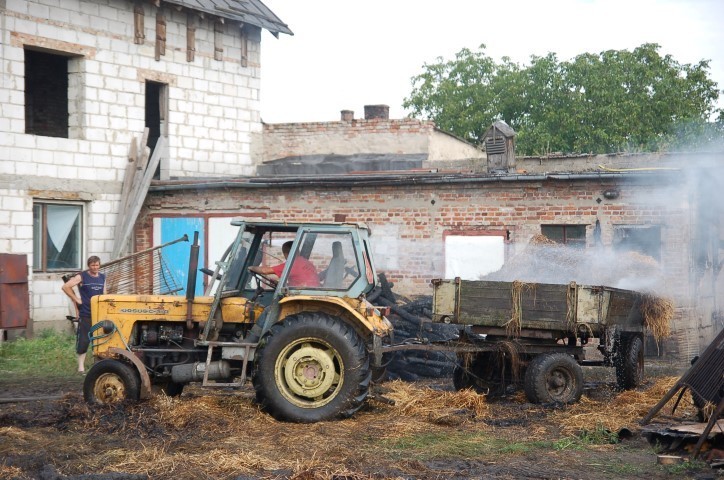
309,342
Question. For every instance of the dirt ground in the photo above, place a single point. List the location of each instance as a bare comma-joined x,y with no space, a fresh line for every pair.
431,432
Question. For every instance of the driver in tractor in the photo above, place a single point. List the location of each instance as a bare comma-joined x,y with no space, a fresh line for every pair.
302,274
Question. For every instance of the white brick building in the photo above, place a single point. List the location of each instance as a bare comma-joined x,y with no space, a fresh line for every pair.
79,81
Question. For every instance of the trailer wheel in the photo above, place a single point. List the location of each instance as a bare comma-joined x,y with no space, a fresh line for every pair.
111,381
553,377
630,363
311,367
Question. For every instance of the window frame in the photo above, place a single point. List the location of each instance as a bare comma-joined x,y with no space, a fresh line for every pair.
73,120
574,242
622,232
43,231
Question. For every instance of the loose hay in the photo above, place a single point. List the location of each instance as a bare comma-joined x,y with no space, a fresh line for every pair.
513,326
623,411
415,401
657,313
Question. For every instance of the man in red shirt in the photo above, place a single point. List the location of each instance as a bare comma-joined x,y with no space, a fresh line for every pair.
302,274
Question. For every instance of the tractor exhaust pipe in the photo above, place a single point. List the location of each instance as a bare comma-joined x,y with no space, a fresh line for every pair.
191,285
194,372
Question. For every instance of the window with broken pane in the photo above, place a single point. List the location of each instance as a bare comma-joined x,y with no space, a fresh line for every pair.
57,236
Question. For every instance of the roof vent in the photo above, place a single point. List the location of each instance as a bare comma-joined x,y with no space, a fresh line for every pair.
499,143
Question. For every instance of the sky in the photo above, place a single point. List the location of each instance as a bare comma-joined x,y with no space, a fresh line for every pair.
346,54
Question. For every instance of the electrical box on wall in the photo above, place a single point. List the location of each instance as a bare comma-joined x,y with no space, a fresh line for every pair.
14,299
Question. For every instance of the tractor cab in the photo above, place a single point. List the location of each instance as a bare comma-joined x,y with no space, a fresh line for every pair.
310,261
322,259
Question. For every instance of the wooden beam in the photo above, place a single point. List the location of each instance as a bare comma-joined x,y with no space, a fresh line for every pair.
160,35
244,46
137,198
218,39
139,35
190,36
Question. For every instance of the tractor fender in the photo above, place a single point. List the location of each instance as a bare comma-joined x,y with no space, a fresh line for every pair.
362,316
145,379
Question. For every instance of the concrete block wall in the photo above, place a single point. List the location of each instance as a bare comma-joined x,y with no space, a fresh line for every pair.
213,114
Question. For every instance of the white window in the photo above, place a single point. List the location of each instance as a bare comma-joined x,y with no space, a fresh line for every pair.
472,256
57,236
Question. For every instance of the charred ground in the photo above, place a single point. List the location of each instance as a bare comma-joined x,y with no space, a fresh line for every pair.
431,432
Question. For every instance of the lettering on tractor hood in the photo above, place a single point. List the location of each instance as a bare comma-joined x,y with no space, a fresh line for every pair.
155,311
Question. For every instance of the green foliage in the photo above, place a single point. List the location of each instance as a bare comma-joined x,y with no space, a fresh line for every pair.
47,354
599,103
685,467
458,444
598,436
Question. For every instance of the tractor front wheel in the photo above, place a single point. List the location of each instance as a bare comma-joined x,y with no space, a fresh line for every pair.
311,367
111,381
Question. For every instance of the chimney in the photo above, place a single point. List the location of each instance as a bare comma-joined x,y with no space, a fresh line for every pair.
377,112
347,115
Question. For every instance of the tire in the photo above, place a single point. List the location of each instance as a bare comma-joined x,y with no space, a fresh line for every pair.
111,381
311,367
553,378
483,375
630,363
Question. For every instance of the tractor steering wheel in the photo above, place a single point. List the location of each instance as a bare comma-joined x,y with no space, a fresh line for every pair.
264,279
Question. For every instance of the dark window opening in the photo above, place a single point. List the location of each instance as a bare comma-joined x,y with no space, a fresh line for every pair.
46,94
644,239
572,235
155,116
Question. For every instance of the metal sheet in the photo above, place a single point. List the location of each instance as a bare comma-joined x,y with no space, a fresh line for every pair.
14,297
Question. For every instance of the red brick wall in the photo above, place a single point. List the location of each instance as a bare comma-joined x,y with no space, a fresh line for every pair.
358,136
411,220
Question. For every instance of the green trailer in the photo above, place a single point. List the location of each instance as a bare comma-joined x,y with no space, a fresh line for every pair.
535,333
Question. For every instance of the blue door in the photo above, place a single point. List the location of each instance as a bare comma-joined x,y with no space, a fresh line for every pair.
177,255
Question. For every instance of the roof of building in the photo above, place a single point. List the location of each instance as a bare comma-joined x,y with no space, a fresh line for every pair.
401,178
341,164
253,12
502,127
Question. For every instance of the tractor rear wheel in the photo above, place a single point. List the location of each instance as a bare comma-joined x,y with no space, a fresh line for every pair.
553,377
311,367
111,381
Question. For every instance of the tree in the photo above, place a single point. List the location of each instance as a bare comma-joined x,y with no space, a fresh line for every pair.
613,101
